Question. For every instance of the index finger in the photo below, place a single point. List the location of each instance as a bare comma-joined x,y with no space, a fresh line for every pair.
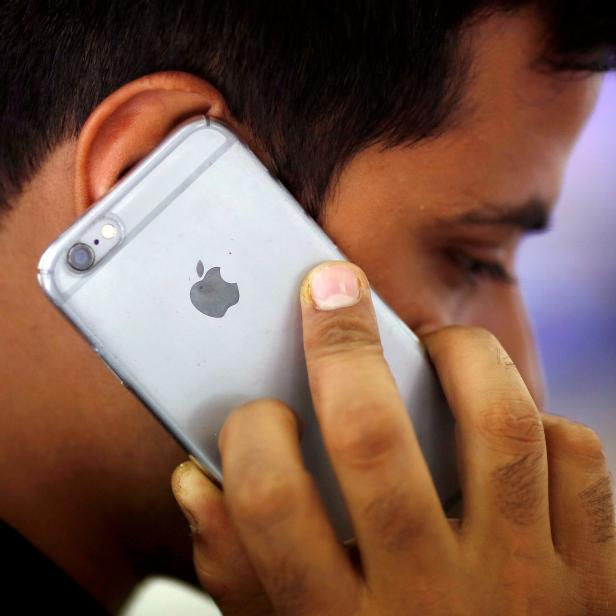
367,432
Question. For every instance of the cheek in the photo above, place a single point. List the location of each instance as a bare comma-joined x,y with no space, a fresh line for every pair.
414,288
410,279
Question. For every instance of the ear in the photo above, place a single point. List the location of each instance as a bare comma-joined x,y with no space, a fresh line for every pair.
132,121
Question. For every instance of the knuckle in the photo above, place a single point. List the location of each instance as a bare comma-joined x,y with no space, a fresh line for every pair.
248,413
589,444
388,514
344,333
519,489
265,500
362,436
571,438
512,425
597,500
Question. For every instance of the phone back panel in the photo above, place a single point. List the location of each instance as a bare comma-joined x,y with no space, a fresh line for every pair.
204,197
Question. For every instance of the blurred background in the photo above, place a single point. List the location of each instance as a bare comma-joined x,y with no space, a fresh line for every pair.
569,282
568,278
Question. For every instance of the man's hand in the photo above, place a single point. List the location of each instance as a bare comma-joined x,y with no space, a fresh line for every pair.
537,534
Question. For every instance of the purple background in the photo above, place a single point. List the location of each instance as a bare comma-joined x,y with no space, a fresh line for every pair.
568,278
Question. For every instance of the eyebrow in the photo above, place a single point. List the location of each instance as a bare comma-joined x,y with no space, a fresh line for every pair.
532,215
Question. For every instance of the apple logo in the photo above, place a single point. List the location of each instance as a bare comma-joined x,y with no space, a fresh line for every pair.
212,295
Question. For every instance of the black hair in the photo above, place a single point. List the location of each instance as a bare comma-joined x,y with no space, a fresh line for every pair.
314,81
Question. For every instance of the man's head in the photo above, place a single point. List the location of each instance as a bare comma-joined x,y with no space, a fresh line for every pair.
424,137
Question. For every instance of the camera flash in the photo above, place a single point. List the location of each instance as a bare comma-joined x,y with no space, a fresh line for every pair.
109,231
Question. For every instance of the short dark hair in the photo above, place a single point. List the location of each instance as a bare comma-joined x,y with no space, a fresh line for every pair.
314,81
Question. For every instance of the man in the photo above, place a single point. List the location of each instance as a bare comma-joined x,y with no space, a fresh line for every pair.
425,139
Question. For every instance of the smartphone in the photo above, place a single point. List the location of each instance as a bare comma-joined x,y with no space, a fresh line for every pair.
185,281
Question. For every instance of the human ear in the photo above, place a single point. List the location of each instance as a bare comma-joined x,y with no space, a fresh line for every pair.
131,122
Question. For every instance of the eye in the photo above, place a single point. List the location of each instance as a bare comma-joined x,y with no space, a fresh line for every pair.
475,269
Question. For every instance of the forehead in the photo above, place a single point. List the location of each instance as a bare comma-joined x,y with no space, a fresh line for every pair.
510,92
508,143
518,118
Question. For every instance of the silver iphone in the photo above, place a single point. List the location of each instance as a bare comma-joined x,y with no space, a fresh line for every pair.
184,279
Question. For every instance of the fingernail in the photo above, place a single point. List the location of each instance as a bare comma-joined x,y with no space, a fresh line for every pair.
334,286
185,490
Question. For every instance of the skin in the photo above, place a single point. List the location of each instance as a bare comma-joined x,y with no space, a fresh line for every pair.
520,523
83,453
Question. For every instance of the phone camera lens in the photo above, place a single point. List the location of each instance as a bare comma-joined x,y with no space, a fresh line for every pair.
80,257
